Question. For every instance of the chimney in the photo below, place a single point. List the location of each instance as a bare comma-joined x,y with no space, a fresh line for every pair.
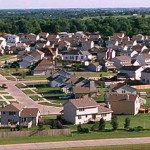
108,105
92,86
128,96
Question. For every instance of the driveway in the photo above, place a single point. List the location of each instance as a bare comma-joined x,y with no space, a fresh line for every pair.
25,100
82,143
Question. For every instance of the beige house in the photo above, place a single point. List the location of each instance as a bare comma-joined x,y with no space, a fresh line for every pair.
123,103
80,111
37,54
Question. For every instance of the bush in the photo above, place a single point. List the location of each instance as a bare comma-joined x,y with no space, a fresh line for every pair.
114,122
127,123
19,128
40,125
95,127
102,124
138,128
82,130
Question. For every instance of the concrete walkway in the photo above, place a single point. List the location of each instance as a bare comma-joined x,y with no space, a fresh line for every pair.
82,143
25,100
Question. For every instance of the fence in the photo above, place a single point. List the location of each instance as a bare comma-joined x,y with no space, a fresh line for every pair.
35,133
141,87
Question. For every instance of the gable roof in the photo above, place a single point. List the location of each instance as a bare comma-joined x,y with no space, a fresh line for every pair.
103,108
35,52
29,112
13,107
83,103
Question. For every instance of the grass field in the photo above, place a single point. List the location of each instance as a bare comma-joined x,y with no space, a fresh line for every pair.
111,147
49,104
20,86
33,77
36,97
76,136
8,97
28,92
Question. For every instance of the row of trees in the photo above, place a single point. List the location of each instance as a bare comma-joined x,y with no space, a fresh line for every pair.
106,26
114,122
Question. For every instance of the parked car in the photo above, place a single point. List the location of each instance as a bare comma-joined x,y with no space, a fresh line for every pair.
65,97
4,86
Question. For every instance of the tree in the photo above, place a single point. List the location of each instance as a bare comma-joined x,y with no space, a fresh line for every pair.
23,74
102,124
114,122
17,68
127,123
19,127
40,125
79,128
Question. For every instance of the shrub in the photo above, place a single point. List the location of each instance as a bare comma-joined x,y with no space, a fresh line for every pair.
114,122
102,124
95,127
19,127
127,123
79,128
40,125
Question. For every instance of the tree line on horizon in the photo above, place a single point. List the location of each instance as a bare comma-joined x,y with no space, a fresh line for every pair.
106,26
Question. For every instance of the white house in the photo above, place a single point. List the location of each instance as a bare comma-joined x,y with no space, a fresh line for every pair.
3,42
80,111
87,45
132,71
144,59
111,44
128,53
37,54
12,39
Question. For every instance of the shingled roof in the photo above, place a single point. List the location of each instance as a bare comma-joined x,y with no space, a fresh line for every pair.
29,112
83,103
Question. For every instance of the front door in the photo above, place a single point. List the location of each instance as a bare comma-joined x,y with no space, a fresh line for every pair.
94,116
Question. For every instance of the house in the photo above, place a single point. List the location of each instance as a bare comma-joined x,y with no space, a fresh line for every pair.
86,45
130,44
135,62
66,35
50,53
29,38
111,44
96,38
138,38
144,59
37,54
145,76
27,61
77,55
80,34
132,71
57,79
43,35
121,61
44,67
95,67
3,43
139,48
109,66
128,53
80,111
17,114
12,39
128,104
122,88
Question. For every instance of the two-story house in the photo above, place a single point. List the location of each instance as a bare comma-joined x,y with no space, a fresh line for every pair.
80,111
123,103
18,114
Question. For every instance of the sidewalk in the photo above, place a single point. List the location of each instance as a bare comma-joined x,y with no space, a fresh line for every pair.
82,143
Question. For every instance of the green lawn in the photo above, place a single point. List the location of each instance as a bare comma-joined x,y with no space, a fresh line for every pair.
50,104
96,74
14,102
21,86
8,97
76,136
36,97
101,98
111,147
148,96
3,102
4,93
49,116
5,57
11,78
37,84
28,92
33,77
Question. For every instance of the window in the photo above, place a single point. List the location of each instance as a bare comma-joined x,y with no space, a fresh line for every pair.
4,112
79,117
86,116
81,109
81,57
104,115
12,113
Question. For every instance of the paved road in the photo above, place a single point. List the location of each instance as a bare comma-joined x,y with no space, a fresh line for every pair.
82,143
25,100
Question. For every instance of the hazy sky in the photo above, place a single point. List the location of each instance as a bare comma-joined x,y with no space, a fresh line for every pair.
7,4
